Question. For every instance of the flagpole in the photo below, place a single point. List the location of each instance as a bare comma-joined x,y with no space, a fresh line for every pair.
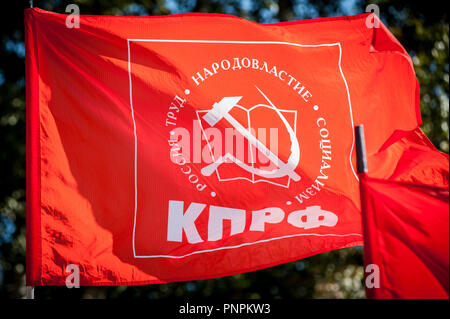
362,169
361,158
30,292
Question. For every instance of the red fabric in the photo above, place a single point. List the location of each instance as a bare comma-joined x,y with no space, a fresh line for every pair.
406,234
412,159
103,172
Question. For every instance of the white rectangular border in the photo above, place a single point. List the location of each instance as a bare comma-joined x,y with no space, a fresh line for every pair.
135,139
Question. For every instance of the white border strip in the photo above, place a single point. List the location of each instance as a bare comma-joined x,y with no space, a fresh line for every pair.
135,136
245,244
135,147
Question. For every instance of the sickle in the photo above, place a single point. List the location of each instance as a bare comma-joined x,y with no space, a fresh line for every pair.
293,159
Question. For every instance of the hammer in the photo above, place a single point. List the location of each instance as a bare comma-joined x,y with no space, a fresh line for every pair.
221,110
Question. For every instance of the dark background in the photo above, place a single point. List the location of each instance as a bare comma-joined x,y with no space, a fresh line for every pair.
421,26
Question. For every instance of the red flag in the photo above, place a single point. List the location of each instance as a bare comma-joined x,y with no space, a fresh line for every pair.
406,235
412,159
196,146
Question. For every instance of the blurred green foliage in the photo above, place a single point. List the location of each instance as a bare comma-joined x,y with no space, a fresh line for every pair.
422,28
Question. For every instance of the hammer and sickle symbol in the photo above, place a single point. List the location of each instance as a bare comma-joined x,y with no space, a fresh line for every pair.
221,110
